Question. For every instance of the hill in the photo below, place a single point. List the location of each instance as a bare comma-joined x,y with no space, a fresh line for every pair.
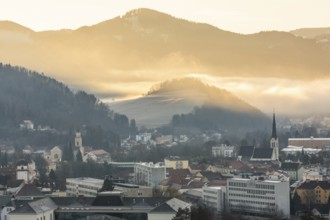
146,46
28,95
191,97
320,35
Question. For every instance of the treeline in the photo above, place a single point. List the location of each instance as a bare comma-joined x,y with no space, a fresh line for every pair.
220,119
28,95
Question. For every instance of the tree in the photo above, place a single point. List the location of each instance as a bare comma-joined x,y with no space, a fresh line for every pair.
41,165
52,178
107,185
201,212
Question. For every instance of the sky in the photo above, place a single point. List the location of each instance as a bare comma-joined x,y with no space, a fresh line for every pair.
241,16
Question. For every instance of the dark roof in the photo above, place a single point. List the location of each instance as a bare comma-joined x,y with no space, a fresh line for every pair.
262,153
246,151
80,201
108,199
290,166
26,208
29,190
212,175
274,132
22,162
312,184
163,208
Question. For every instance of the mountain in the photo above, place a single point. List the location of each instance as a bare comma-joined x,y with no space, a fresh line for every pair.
146,46
320,35
189,96
28,95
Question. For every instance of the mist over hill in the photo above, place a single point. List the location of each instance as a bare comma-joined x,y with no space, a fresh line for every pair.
146,46
28,95
192,97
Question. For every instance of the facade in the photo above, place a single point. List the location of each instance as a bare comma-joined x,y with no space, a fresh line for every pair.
83,186
316,192
318,143
56,154
22,171
149,174
259,196
294,170
42,209
214,197
176,163
223,151
99,156
131,190
78,146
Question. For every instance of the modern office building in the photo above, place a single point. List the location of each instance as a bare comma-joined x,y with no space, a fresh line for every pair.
83,186
214,197
259,196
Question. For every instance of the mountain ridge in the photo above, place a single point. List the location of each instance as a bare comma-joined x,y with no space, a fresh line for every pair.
180,96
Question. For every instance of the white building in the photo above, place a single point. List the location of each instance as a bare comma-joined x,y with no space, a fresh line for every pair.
259,196
214,197
27,124
42,209
149,174
143,137
83,186
223,151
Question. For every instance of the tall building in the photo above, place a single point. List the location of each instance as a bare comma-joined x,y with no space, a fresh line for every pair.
259,196
214,197
274,140
78,146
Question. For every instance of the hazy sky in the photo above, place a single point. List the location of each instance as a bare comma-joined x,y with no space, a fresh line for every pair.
243,16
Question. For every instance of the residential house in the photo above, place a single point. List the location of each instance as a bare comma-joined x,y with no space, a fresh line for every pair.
294,169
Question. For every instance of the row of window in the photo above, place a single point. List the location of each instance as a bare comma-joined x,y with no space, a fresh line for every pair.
252,191
251,201
256,208
252,196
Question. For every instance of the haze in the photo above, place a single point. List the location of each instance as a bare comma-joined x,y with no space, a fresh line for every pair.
285,72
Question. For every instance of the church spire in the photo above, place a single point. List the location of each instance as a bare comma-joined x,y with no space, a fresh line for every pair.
274,132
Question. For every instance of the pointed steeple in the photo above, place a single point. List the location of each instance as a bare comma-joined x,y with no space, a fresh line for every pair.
274,132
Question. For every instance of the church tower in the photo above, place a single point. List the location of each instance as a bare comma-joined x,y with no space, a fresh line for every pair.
78,145
274,141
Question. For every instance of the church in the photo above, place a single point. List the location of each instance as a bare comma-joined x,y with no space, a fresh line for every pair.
270,153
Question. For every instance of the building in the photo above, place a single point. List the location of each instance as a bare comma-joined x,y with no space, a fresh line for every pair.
99,156
27,124
56,154
167,210
149,174
262,154
83,186
223,151
294,170
314,191
41,209
176,163
164,139
319,143
22,171
214,197
78,146
259,196
132,190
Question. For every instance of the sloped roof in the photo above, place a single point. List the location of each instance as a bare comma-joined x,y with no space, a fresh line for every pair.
312,184
290,166
246,151
36,206
172,206
29,190
262,153
106,199
73,201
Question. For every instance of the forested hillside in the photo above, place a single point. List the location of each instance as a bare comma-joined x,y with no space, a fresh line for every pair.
28,95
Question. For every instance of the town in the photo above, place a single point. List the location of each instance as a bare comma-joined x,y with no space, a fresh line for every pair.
225,182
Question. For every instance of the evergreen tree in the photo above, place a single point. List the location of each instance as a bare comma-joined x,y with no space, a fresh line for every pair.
79,156
107,185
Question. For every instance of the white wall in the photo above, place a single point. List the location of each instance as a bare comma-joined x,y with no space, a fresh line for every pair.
160,216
